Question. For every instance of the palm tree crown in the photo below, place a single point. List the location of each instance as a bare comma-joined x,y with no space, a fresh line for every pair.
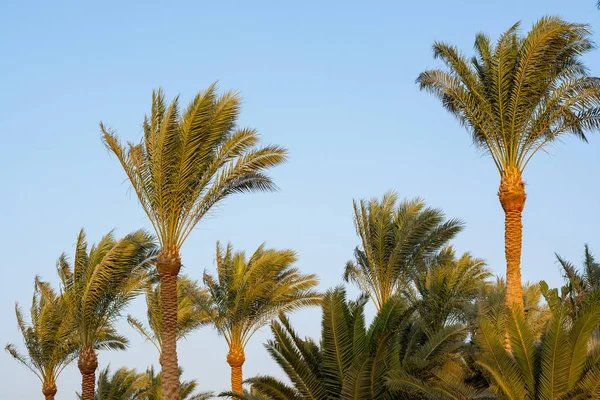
97,287
395,237
248,293
49,340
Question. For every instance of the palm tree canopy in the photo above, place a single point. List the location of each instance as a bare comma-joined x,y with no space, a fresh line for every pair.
561,364
522,93
395,237
248,293
153,387
583,282
188,162
190,315
123,384
50,342
101,281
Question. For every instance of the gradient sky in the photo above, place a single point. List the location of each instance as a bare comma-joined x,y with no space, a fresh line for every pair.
332,81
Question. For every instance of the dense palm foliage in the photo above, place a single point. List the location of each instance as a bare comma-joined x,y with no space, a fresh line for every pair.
516,97
153,388
581,283
395,237
190,315
563,364
97,286
49,339
248,292
387,360
187,163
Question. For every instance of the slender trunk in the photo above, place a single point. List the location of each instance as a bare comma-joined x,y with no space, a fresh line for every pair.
512,197
235,359
168,266
49,390
88,363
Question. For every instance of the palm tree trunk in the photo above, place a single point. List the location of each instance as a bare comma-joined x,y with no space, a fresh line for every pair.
49,390
168,265
235,359
88,363
512,197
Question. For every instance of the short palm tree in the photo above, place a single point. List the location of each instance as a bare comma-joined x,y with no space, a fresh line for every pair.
445,289
563,364
123,384
515,98
248,293
186,164
49,340
97,286
189,315
153,388
395,237
583,283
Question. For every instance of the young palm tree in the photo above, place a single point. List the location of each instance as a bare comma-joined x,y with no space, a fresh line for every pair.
515,98
190,316
153,388
123,384
581,284
395,237
49,340
563,364
249,292
186,164
97,287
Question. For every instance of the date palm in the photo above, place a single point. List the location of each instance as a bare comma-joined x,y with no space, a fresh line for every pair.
123,384
186,164
395,237
153,388
189,315
515,98
581,284
248,293
97,286
49,339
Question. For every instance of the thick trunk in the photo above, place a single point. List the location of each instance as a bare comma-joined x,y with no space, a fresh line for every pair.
236,358
168,266
49,390
88,363
512,197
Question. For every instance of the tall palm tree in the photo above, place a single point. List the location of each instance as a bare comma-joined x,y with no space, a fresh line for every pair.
190,315
186,164
515,98
394,237
49,340
153,388
248,293
97,286
563,364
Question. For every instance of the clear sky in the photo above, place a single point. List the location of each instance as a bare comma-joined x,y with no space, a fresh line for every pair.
332,81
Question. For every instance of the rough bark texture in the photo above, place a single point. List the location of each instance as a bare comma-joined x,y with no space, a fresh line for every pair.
88,363
236,358
49,390
512,197
168,266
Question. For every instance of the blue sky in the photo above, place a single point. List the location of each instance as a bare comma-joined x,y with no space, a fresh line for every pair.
332,81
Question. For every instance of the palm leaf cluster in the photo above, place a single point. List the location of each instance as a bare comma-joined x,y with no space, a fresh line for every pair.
581,283
395,237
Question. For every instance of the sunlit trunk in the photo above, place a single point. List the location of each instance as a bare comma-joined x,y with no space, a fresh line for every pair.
235,359
88,363
49,390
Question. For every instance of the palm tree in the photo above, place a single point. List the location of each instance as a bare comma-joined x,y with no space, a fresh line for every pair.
248,293
153,388
446,289
563,364
97,287
515,98
189,315
123,384
394,237
185,165
49,340
581,284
